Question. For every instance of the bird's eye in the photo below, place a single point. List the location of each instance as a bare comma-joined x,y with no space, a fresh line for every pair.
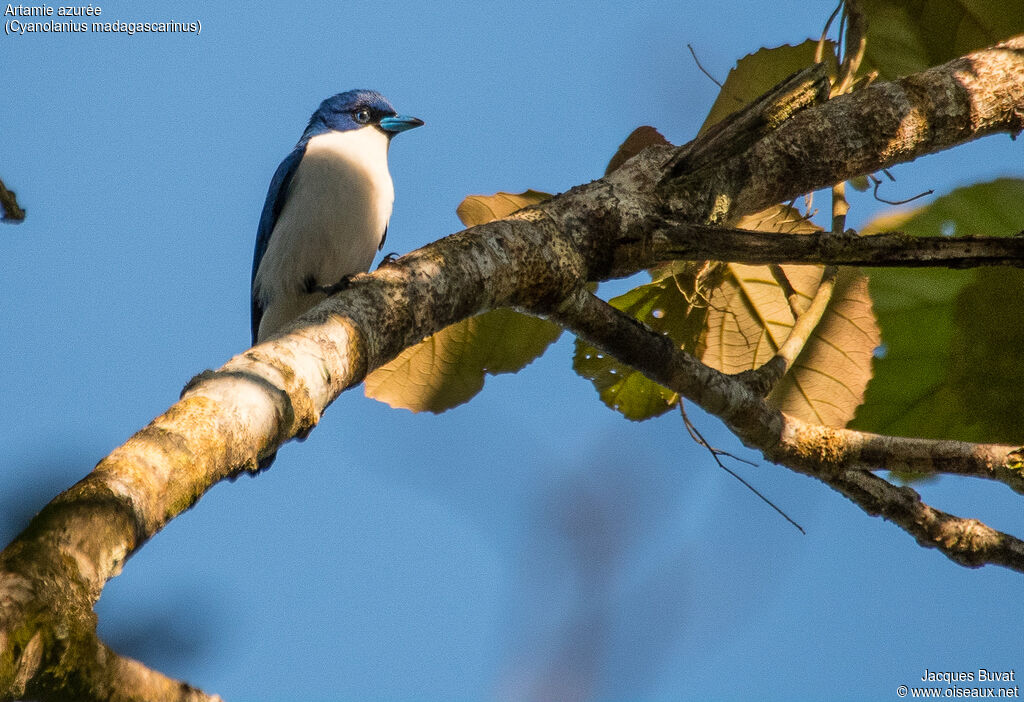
362,116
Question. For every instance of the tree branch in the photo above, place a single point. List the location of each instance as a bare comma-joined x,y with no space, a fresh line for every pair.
54,653
765,378
885,124
830,450
537,259
12,212
891,249
967,542
840,458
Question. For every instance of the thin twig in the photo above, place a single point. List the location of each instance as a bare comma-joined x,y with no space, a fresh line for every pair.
878,197
701,67
840,207
792,296
716,454
819,52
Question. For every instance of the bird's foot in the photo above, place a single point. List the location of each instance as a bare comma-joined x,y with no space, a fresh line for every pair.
311,286
388,259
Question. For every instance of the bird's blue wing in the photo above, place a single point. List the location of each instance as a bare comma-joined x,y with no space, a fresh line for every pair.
277,195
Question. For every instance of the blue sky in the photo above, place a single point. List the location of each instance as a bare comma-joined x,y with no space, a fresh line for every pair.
529,545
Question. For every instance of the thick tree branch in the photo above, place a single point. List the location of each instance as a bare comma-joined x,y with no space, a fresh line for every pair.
43,629
537,259
883,125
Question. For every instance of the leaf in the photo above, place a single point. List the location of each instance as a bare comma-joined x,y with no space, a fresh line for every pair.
735,317
951,363
481,209
663,306
995,208
448,368
907,36
827,381
638,140
750,317
757,73
860,183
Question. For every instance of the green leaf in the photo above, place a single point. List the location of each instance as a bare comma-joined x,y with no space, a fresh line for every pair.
448,368
757,73
995,208
666,306
860,183
907,36
951,366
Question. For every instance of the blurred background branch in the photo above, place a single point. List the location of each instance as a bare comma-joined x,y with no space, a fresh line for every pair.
12,212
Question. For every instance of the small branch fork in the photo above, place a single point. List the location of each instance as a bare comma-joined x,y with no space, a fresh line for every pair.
657,205
717,454
762,380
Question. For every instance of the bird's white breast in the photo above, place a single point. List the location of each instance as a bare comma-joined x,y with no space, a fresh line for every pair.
337,210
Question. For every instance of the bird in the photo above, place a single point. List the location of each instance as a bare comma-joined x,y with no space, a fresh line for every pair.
327,209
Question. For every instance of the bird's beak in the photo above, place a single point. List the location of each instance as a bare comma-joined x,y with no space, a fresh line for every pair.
399,123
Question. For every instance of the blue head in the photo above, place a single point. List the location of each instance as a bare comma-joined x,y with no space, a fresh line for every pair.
356,109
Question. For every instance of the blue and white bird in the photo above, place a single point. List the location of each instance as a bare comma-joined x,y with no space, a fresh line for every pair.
327,210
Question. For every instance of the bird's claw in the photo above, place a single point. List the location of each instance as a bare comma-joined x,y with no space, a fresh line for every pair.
311,286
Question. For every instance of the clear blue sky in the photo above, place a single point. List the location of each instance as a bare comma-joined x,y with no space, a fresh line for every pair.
531,545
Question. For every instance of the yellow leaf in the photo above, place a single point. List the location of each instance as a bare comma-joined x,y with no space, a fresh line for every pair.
448,368
750,317
827,382
481,209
